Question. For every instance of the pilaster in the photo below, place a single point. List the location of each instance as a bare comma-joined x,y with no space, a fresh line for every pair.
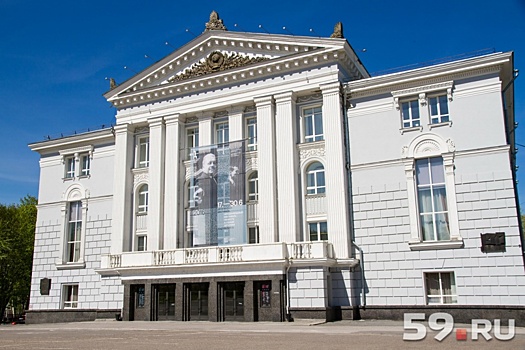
287,165
235,123
156,183
205,129
337,202
121,237
174,183
268,231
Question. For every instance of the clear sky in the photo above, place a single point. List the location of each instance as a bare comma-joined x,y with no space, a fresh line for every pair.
55,55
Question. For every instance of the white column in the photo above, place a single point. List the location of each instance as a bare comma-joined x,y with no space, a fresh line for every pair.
235,123
205,129
174,182
121,237
337,203
156,183
268,231
287,167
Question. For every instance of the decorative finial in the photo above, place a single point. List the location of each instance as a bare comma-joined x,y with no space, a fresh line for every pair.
112,83
338,31
215,23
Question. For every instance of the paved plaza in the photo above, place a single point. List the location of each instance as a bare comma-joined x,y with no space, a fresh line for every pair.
302,334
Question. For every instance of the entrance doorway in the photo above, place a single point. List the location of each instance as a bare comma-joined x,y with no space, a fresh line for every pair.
164,305
196,302
231,301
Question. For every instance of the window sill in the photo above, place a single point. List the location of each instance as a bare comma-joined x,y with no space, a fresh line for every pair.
71,266
435,245
68,179
414,128
437,125
84,176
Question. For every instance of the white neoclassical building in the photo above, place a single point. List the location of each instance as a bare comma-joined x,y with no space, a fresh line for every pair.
261,177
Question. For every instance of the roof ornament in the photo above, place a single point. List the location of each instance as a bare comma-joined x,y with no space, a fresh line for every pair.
112,83
338,31
215,23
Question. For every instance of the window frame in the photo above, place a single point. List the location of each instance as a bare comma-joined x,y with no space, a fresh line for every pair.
422,94
70,167
140,241
316,188
253,234
253,178
142,141
70,291
319,234
192,141
85,165
315,136
74,246
439,116
223,129
413,105
427,146
251,137
440,280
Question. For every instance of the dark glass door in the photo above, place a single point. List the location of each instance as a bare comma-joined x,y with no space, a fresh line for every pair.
232,301
165,304
196,302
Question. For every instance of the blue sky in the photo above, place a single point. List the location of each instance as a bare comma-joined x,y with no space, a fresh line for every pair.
54,55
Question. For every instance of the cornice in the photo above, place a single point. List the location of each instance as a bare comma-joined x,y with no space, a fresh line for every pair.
93,137
428,75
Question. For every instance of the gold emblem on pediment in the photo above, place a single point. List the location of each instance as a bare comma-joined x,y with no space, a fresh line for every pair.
216,62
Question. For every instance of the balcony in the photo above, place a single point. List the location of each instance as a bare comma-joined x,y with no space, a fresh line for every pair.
223,258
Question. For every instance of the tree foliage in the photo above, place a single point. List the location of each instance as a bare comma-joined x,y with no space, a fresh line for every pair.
17,233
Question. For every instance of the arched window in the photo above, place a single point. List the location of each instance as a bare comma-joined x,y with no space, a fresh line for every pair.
315,181
143,195
253,186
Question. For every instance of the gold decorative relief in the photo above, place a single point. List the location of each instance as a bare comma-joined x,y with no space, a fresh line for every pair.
216,62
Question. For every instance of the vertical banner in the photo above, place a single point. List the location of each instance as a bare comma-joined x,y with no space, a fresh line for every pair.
217,194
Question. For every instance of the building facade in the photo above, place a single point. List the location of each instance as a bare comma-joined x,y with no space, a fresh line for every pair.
256,177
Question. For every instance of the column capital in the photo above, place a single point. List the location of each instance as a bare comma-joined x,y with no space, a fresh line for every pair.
205,115
285,97
173,119
155,122
263,101
122,128
330,88
236,109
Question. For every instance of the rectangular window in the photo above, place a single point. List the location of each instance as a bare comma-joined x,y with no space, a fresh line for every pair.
410,114
74,232
142,153
432,199
142,243
318,231
440,288
192,141
70,296
253,235
222,133
438,107
85,164
70,167
251,133
313,124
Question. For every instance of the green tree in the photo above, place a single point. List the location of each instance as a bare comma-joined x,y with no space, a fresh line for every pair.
17,233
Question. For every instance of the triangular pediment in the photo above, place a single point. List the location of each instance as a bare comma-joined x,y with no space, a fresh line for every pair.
219,57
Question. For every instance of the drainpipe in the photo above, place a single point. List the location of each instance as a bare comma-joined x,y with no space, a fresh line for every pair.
349,193
512,142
